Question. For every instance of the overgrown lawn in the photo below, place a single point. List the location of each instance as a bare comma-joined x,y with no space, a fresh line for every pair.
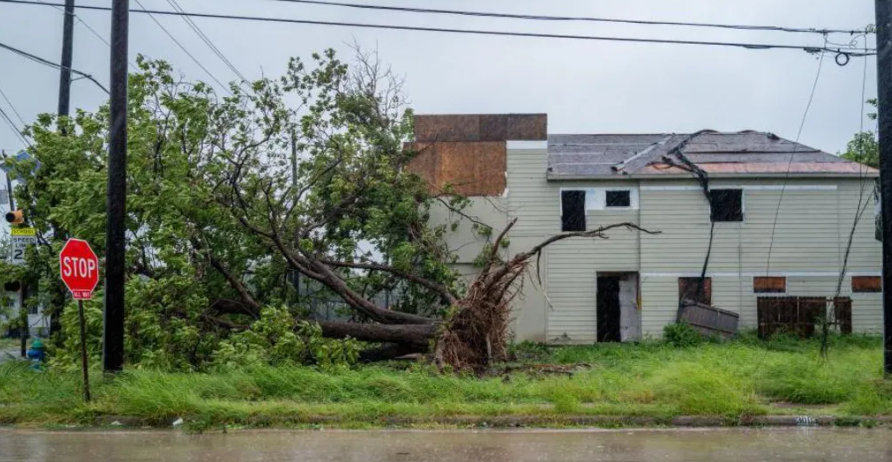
743,377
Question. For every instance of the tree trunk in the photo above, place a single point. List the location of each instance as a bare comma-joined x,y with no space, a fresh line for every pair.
416,336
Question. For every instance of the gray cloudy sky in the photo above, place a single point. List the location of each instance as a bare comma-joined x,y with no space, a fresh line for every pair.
585,87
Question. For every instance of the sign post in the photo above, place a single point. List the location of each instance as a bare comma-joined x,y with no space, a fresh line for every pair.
80,273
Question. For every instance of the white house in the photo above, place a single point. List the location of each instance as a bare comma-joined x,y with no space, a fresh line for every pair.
779,217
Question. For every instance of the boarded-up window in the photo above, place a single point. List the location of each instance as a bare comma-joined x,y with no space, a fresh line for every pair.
619,199
689,289
801,315
572,210
769,285
867,284
726,204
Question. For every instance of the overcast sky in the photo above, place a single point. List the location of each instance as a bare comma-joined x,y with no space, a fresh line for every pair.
584,86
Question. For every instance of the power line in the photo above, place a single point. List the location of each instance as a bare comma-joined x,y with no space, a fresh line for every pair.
13,127
576,18
176,6
811,98
45,62
167,32
745,45
12,106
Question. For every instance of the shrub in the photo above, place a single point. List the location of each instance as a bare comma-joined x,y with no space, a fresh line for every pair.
682,335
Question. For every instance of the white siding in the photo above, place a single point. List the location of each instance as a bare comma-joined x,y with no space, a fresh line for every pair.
806,237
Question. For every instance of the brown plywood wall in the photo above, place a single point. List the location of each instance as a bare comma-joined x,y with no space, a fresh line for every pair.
469,151
481,127
470,168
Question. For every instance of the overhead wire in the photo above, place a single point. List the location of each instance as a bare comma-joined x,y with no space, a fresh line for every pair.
811,98
210,43
537,17
49,63
859,209
13,127
12,106
174,39
89,28
746,45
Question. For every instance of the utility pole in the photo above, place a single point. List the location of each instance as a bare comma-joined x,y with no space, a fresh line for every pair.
884,94
65,70
113,319
295,275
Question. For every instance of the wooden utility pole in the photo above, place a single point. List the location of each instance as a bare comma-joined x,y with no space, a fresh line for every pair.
884,95
65,69
113,319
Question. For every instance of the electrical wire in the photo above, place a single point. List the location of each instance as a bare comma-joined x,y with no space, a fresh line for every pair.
575,18
176,6
745,45
177,42
45,62
13,127
89,28
12,106
811,99
859,210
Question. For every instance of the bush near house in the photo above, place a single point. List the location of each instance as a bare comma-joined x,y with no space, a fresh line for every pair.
746,376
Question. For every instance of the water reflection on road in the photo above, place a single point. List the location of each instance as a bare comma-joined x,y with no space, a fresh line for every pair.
726,445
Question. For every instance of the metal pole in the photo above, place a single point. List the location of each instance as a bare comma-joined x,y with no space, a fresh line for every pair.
113,319
884,94
23,315
84,364
65,70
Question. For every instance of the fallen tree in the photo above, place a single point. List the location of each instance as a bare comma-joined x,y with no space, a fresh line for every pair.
244,207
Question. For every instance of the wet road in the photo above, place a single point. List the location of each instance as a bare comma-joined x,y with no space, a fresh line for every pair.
726,445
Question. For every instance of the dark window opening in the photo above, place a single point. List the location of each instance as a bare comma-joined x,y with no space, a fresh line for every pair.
867,284
689,289
769,285
608,311
619,198
726,204
572,210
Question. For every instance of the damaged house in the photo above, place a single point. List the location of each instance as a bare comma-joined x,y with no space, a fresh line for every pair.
768,219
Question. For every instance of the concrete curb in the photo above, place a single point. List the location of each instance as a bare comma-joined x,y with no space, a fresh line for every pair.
519,421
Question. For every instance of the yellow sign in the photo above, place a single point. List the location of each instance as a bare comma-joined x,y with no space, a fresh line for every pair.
31,232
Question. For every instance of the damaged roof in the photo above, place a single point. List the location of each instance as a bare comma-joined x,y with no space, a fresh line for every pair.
741,153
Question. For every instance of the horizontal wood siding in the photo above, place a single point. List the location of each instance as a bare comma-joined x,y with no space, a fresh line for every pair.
572,269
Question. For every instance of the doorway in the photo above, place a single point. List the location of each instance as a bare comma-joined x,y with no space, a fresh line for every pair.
618,316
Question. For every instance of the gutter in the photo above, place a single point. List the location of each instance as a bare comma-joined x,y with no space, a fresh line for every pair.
662,176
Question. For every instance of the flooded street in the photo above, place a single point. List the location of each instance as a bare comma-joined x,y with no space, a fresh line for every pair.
727,445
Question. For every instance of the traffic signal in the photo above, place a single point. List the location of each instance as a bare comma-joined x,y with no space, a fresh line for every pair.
12,286
16,217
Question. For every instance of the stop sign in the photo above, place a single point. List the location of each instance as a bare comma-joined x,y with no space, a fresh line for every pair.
80,268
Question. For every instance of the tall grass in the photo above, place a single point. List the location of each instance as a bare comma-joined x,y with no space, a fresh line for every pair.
731,379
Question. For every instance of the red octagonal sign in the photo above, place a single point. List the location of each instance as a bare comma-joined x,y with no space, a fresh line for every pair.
80,268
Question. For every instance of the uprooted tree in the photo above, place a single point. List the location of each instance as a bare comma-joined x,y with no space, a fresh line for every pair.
232,198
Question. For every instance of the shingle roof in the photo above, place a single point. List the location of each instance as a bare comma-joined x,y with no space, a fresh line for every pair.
747,152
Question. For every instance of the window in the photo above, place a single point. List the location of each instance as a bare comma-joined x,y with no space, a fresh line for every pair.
867,284
726,204
688,289
572,210
619,199
769,285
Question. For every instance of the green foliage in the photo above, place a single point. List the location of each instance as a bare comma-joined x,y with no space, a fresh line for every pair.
865,147
205,173
278,340
682,335
739,377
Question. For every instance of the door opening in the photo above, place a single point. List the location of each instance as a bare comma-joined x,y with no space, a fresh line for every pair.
617,307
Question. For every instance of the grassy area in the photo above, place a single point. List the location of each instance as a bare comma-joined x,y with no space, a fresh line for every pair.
743,377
